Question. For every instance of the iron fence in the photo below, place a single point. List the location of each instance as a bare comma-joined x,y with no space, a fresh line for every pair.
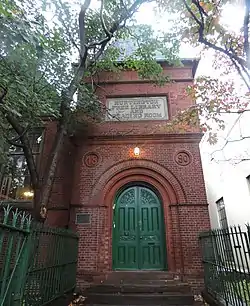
37,262
226,258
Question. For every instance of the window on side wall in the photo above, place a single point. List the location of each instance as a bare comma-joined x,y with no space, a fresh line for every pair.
226,246
15,182
248,181
222,213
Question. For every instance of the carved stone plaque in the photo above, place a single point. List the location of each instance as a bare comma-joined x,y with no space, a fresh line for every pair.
91,159
137,108
183,158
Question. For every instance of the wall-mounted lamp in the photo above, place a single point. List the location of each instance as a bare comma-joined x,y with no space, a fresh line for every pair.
136,151
28,194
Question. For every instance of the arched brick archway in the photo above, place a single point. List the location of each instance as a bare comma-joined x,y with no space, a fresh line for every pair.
149,169
118,176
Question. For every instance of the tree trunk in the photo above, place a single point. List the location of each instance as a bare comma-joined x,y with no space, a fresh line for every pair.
41,201
1,172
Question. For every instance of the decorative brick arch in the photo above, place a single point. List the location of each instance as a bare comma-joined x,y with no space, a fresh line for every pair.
146,168
120,175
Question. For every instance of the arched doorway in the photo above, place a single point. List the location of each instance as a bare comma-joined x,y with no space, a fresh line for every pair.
138,230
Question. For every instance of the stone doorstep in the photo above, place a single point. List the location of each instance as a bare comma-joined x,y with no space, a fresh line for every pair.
82,302
140,299
140,275
67,299
98,278
149,287
152,288
195,304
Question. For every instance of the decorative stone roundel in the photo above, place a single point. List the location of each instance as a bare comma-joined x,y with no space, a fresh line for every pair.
91,159
183,158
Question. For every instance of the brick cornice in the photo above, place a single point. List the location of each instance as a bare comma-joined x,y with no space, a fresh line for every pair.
152,138
142,81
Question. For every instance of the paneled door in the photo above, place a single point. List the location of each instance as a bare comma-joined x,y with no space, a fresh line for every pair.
138,231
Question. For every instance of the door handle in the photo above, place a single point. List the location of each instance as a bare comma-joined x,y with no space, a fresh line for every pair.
141,237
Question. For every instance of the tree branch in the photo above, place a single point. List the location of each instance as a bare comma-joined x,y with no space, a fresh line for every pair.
201,11
246,31
14,143
192,14
226,140
240,72
207,43
234,112
133,8
25,144
3,93
25,130
82,30
127,12
200,8
68,95
68,32
240,160
26,149
14,140
117,25
102,43
103,22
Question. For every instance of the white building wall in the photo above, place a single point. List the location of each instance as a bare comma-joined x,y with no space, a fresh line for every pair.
226,171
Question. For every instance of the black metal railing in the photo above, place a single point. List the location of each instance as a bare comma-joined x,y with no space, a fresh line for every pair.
37,262
226,259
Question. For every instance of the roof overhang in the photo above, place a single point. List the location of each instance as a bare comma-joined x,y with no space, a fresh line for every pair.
186,62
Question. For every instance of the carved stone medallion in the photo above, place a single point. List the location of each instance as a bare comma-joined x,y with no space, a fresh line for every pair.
183,158
91,159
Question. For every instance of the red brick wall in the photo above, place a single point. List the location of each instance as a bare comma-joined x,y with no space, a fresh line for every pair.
92,189
181,187
186,212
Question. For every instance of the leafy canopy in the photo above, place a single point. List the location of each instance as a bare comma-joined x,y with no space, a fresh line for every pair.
202,24
47,48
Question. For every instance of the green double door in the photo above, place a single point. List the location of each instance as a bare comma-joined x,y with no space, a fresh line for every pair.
138,231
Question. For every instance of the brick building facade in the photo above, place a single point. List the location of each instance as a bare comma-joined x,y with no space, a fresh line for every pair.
98,169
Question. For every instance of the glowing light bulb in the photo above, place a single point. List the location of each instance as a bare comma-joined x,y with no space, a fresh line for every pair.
28,194
137,151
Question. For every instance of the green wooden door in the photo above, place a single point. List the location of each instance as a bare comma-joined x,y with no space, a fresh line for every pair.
138,231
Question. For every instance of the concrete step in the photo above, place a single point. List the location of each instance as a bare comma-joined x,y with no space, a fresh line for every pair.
139,275
140,299
147,305
149,287
158,282
195,304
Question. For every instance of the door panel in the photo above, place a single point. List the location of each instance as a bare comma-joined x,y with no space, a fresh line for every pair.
125,240
138,231
151,246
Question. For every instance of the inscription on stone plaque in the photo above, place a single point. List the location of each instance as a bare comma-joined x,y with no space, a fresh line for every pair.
138,108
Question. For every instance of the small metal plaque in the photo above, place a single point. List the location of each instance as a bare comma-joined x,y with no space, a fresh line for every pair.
82,218
137,108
